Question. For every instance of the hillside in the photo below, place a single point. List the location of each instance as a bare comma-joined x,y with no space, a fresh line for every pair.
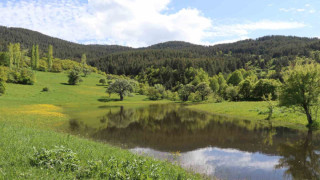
263,53
62,49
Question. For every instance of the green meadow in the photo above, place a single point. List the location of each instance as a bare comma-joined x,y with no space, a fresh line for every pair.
32,120
33,146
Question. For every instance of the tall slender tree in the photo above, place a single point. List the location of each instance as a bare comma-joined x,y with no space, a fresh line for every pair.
50,57
33,57
16,55
37,57
10,49
83,60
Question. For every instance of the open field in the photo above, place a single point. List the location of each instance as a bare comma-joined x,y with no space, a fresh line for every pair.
30,118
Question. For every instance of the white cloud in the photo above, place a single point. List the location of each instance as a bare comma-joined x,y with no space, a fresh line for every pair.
125,22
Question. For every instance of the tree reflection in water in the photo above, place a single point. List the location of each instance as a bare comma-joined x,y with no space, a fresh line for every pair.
172,128
300,158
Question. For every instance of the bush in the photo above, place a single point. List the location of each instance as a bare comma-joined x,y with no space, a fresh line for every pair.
4,73
2,87
56,67
43,66
102,81
264,87
45,89
153,94
21,76
74,77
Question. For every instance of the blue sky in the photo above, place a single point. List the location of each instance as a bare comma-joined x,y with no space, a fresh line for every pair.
139,23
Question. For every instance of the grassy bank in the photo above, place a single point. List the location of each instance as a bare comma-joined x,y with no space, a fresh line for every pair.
255,112
18,145
30,120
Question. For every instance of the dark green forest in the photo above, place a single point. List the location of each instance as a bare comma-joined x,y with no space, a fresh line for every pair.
265,53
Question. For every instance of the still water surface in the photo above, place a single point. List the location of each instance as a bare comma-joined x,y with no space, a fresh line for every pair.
217,146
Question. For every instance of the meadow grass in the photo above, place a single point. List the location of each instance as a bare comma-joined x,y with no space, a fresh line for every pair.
255,112
31,118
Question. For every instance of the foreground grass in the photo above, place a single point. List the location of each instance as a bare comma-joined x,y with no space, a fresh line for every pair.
31,118
96,160
255,112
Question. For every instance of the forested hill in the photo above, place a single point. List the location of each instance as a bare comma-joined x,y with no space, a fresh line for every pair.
269,52
62,49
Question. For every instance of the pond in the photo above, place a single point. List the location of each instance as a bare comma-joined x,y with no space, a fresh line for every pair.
217,146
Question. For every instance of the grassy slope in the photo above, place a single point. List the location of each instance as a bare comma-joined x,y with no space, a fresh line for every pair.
256,112
29,115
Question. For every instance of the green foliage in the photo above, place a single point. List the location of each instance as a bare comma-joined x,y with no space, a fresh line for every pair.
245,88
222,84
154,94
50,57
235,78
37,57
301,89
214,84
74,76
21,76
4,73
59,158
2,88
103,81
33,57
4,59
43,66
232,93
86,71
122,87
203,90
45,89
264,87
185,91
56,68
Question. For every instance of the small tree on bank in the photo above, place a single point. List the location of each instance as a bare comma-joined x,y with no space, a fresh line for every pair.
301,89
122,87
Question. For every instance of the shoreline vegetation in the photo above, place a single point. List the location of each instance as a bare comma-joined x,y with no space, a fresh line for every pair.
31,120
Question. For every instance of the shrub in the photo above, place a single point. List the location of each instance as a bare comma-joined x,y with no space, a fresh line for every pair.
2,87
86,71
43,66
102,81
264,87
22,76
4,73
154,94
45,89
74,77
56,67
27,77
